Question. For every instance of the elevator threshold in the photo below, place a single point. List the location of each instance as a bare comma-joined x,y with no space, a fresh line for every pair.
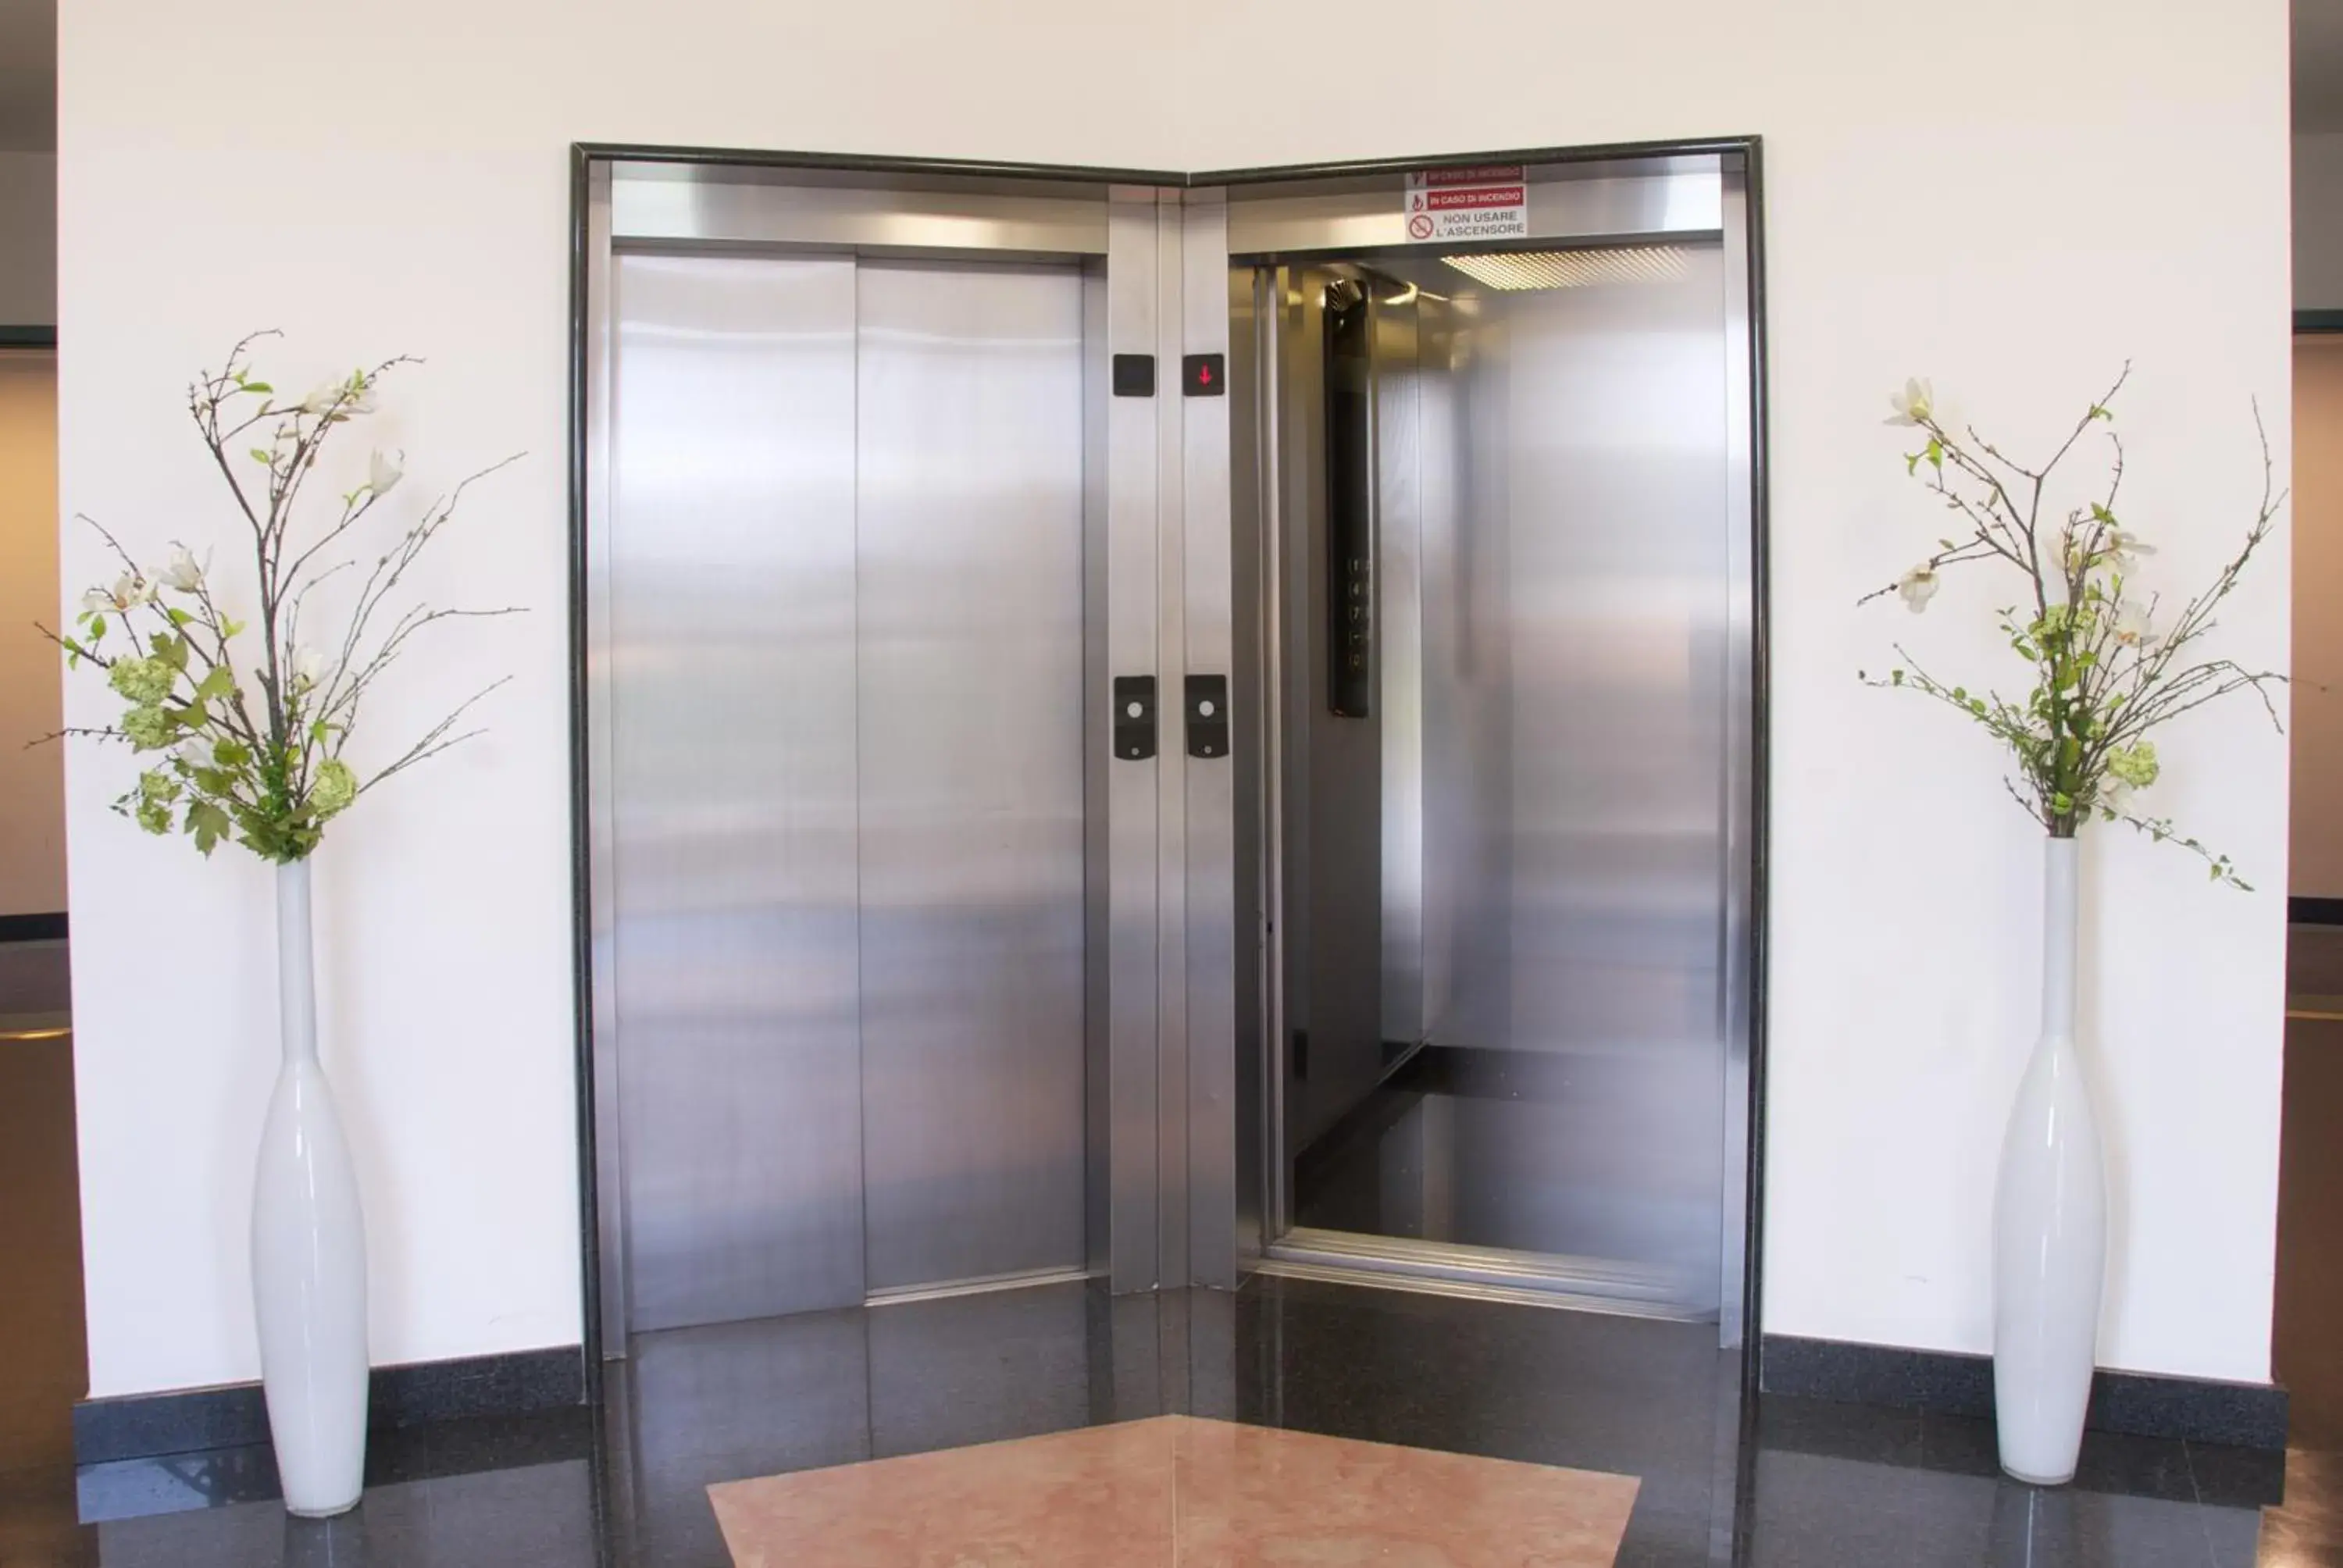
1481,1273
985,1284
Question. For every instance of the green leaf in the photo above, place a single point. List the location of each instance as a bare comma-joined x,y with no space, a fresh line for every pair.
230,627
1936,453
96,626
216,685
1912,462
262,388
178,617
262,454
208,823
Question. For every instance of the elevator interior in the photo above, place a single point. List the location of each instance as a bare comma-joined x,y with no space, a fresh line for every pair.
1505,680
1151,732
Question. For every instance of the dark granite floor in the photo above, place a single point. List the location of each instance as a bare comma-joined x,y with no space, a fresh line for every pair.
1799,1482
1786,1482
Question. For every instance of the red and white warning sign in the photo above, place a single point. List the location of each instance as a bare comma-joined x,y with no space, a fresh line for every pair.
1486,201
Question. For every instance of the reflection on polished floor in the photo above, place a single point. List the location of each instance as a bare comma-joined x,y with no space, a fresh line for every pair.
1651,1403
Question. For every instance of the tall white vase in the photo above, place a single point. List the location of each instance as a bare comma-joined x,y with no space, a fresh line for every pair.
308,1248
2049,1222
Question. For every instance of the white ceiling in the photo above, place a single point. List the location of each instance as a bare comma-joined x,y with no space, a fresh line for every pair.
28,76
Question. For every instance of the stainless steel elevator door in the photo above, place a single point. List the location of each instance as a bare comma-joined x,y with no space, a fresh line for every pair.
732,617
969,565
846,603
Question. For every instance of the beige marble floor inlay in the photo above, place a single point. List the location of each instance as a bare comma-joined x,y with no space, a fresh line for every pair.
1178,1493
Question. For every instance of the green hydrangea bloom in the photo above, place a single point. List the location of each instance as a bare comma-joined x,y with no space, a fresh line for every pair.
145,682
149,727
2135,765
157,791
336,788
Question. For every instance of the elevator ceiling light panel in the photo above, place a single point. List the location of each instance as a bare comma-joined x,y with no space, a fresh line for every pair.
1572,268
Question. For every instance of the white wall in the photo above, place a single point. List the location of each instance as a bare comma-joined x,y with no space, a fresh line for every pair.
29,239
1989,203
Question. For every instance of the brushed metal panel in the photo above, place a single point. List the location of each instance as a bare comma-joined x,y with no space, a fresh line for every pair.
701,206
1170,763
1210,865
1398,466
1736,990
969,553
1253,892
1132,788
1566,201
732,786
599,327
1617,556
1332,778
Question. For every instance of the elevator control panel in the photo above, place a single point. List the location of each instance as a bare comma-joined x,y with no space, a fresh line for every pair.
1208,716
1349,520
1134,716
1205,374
1134,375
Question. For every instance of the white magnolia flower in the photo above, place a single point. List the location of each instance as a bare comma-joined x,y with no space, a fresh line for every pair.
1916,403
195,753
307,664
1917,587
2124,548
96,601
382,473
2115,795
130,590
183,572
2133,628
355,396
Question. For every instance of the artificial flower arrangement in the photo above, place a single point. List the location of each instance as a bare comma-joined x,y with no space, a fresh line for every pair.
253,750
2111,662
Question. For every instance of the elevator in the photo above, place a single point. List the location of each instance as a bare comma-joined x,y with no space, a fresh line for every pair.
1149,728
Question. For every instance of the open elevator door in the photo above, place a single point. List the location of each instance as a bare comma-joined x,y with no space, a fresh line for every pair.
888,771
1497,569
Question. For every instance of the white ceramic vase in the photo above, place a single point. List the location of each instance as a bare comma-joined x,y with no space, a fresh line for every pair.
2049,1222
308,1248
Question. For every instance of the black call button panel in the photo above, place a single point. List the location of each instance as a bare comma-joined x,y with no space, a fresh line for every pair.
1134,375
1208,716
1205,374
1134,716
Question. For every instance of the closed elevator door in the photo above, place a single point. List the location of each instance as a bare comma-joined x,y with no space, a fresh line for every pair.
846,610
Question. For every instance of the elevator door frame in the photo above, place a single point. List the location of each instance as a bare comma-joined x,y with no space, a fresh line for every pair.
1183,1202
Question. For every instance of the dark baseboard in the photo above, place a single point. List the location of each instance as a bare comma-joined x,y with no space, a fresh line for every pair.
37,335
2197,1410
2314,912
49,928
232,1415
